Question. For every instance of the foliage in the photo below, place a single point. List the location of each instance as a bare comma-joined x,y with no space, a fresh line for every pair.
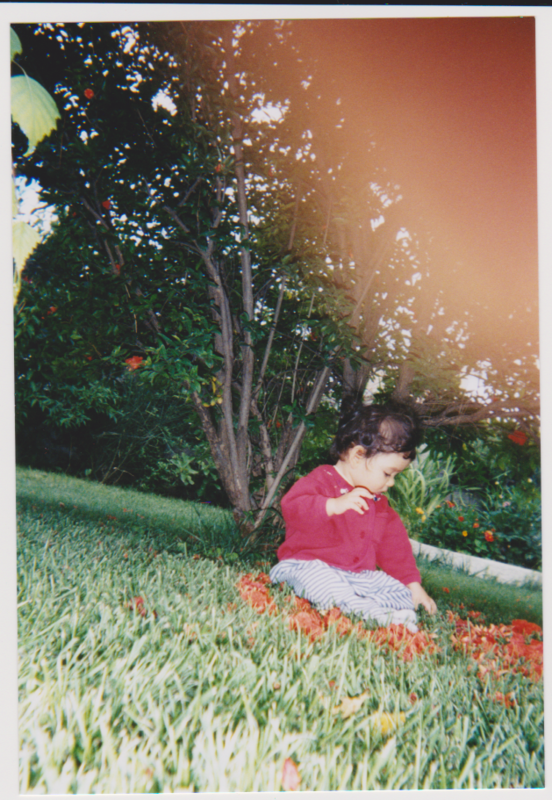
425,484
486,454
151,441
233,258
36,114
130,682
145,261
505,527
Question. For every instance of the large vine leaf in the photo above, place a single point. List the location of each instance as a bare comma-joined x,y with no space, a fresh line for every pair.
15,204
15,44
33,109
25,239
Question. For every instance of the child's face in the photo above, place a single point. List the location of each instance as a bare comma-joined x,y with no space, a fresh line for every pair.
376,473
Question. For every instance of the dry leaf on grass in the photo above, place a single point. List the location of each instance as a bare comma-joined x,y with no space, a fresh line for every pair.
291,780
350,705
386,723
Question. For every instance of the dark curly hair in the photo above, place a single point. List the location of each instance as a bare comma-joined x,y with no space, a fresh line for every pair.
389,428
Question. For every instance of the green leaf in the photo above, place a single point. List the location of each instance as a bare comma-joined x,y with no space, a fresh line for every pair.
15,44
25,239
15,204
33,109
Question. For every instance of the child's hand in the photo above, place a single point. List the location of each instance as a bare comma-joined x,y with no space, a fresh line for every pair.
352,501
421,597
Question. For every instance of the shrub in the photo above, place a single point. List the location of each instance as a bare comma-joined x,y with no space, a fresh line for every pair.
505,527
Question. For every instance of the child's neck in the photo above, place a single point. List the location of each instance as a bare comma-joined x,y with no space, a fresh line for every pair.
341,468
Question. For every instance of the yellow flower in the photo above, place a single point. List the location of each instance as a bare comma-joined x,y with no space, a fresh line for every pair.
419,511
464,533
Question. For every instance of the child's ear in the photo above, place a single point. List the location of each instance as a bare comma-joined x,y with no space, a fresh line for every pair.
358,453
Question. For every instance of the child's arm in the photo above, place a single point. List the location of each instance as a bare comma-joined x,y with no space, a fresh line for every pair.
421,597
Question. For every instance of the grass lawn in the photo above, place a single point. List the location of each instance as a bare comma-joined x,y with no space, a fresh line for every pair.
142,668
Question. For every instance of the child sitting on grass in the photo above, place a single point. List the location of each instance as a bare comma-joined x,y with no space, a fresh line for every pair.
340,527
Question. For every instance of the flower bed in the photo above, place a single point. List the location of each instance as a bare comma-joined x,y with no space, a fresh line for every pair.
506,529
496,649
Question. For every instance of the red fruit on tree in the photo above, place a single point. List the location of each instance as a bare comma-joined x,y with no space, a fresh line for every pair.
89,94
106,204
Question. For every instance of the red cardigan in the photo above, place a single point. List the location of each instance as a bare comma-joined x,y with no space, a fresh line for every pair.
351,541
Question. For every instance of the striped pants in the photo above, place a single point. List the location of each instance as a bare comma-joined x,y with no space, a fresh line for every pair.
371,594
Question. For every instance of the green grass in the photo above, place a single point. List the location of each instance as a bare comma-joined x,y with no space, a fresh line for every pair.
208,695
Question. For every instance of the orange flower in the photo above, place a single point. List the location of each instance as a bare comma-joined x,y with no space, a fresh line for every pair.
450,504
446,590
501,649
489,536
255,593
518,437
308,621
134,362
522,626
137,604
476,524
507,699
403,642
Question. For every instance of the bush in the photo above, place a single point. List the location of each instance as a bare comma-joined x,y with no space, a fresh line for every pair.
505,527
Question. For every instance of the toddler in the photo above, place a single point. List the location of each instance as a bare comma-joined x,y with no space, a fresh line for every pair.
340,527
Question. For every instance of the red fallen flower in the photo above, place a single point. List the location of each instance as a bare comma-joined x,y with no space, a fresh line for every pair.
446,590
522,626
134,362
256,594
301,603
507,699
106,204
310,622
137,604
342,624
406,644
291,780
89,94
518,437
502,649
